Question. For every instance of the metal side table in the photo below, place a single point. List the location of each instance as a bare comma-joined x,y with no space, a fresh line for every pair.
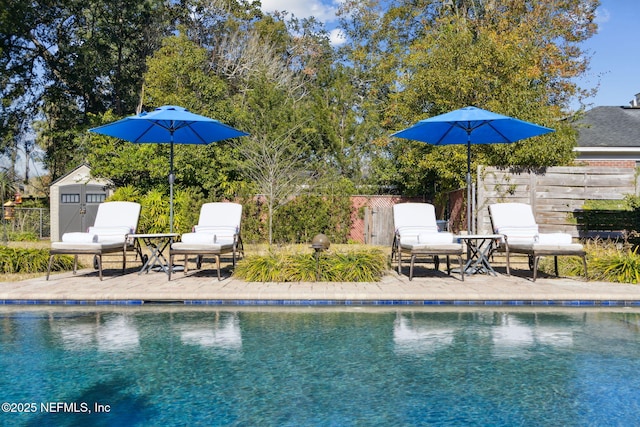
157,244
479,249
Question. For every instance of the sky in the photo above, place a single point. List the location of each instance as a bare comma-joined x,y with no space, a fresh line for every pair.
322,10
614,50
615,53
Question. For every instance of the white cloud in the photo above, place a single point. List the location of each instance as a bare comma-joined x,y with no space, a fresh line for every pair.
324,11
337,37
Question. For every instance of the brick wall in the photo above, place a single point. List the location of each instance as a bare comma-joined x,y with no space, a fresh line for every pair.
610,163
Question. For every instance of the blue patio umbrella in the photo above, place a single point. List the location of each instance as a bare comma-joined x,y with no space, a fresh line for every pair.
471,125
169,124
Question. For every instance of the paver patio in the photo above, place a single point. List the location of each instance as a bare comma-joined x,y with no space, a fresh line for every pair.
203,287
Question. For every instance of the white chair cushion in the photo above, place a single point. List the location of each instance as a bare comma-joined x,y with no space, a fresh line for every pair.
554,239
111,234
571,248
77,237
221,214
79,246
415,231
427,238
116,214
432,248
519,234
205,239
199,238
218,231
205,248
512,214
518,231
417,215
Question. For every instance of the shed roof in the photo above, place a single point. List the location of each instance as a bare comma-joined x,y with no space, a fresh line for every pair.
81,174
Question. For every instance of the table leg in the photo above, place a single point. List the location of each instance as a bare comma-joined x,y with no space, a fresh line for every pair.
478,253
156,257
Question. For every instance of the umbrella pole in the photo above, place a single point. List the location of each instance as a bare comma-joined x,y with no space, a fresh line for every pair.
469,183
171,179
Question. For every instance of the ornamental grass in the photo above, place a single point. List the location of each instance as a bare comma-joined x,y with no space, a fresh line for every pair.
607,261
29,260
356,265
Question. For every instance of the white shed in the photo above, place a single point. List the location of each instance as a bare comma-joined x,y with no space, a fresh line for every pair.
74,200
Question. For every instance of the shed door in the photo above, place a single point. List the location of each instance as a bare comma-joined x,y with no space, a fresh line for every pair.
79,205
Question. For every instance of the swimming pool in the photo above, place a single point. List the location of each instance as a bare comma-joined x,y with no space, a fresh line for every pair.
329,367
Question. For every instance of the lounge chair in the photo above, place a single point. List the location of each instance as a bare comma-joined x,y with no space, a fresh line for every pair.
217,233
515,221
109,234
416,234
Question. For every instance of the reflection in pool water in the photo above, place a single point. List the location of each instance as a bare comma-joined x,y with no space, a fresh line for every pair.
177,366
225,334
115,333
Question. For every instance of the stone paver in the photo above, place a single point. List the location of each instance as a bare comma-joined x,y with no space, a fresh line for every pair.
203,286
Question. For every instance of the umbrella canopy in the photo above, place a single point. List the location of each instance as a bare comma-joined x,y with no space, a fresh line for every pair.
169,124
471,125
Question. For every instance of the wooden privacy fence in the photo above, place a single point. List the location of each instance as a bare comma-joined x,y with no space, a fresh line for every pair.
609,224
556,195
372,218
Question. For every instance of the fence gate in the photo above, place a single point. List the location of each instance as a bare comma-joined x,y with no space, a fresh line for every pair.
378,221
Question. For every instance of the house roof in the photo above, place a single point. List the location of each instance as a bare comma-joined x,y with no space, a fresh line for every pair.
609,127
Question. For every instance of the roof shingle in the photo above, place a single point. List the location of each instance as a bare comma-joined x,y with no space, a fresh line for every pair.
609,127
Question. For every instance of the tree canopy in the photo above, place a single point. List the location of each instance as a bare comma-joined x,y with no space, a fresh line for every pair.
71,65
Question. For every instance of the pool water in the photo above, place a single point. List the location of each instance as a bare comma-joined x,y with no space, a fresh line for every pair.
309,367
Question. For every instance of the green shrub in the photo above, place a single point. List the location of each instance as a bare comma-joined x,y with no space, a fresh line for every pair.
354,266
612,264
19,260
254,227
283,266
25,236
607,261
607,204
307,215
298,221
154,208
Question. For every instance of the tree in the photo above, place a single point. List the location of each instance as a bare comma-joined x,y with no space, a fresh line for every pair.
274,160
277,169
70,65
517,58
178,74
64,60
365,75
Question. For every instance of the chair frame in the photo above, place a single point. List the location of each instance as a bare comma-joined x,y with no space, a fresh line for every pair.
430,251
97,253
200,250
535,253
98,250
434,253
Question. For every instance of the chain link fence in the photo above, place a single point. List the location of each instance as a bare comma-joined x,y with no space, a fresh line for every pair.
17,221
